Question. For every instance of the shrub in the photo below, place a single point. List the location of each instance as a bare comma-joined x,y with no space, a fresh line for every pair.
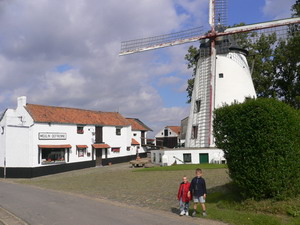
261,142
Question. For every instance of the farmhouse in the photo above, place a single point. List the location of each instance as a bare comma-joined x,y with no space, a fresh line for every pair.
37,140
168,137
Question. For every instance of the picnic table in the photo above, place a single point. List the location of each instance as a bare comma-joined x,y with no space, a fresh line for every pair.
139,162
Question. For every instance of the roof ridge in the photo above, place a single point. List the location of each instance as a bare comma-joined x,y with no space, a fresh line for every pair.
58,114
63,107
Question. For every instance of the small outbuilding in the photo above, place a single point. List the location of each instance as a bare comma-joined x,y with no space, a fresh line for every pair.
168,157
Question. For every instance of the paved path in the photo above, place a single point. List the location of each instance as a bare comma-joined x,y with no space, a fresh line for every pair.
41,206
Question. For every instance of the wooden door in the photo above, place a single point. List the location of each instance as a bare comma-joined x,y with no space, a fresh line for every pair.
203,158
143,139
99,134
98,157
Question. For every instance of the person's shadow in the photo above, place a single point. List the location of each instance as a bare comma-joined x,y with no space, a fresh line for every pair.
175,210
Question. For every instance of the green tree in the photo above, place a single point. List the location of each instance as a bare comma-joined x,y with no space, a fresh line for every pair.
190,57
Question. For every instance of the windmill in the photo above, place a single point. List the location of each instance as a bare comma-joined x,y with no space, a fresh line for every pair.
222,75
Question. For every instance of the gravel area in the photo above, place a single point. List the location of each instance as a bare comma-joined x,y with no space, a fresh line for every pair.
157,189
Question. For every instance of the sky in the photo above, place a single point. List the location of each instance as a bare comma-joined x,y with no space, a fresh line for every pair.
65,53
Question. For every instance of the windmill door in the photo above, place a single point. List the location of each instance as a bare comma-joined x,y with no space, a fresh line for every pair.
203,158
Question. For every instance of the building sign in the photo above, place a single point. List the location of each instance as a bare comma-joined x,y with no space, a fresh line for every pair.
52,136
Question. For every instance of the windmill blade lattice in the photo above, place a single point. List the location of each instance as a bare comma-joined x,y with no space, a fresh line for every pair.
144,44
220,13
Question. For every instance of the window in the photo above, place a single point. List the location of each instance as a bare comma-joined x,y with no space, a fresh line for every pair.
187,157
118,131
197,106
81,152
134,134
166,132
160,157
128,148
80,130
221,75
50,155
154,157
194,132
115,149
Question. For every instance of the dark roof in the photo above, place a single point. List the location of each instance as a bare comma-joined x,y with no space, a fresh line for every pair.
136,124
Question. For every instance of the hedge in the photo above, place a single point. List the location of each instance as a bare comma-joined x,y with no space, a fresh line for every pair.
261,142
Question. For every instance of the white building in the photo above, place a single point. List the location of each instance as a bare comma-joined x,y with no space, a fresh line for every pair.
138,137
168,137
168,157
37,140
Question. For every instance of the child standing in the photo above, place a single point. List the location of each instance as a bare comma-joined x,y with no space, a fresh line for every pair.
198,190
183,197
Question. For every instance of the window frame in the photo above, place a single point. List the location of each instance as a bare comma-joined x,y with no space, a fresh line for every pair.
118,131
81,152
194,134
187,155
197,106
46,159
80,129
116,149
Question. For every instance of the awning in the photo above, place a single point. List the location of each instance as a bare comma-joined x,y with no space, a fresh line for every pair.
81,146
134,142
101,146
55,146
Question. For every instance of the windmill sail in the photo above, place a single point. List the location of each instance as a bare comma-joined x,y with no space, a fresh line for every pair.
223,74
144,44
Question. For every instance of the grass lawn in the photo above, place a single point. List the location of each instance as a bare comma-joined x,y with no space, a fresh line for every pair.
157,188
183,167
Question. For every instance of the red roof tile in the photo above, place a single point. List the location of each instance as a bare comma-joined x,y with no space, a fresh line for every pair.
53,114
136,124
176,129
81,146
55,146
134,142
101,146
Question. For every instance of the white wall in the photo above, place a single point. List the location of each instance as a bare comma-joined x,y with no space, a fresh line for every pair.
118,141
137,137
237,83
87,138
15,140
177,154
161,133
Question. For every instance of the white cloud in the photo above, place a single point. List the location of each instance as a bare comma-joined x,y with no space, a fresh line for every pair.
278,9
38,36
169,80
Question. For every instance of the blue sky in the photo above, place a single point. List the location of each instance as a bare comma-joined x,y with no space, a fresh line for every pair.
71,57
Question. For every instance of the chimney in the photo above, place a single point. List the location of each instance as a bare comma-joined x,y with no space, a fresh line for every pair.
21,101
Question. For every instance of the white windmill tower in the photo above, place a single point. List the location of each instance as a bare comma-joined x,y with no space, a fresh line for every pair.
222,74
